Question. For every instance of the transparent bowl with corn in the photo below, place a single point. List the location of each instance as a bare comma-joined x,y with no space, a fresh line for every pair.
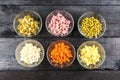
91,25
91,55
27,23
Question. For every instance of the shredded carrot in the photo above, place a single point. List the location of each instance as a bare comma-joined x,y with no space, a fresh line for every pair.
61,53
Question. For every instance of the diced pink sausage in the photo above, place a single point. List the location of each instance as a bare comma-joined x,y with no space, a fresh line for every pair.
59,25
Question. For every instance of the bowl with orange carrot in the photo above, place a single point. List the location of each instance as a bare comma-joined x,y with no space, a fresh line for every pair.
61,53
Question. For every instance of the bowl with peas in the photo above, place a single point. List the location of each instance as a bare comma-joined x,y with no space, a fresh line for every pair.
91,25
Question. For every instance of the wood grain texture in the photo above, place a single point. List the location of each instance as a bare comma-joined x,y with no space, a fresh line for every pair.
59,2
59,75
11,70
110,13
8,61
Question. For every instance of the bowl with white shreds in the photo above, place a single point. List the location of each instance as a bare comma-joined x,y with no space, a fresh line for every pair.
29,53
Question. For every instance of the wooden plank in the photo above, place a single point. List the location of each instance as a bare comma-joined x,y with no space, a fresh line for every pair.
110,13
8,61
59,75
59,2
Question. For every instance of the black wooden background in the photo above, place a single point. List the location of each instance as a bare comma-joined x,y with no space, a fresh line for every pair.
11,70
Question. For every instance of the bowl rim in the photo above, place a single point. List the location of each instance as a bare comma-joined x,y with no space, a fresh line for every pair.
58,11
34,12
80,18
104,57
21,62
72,53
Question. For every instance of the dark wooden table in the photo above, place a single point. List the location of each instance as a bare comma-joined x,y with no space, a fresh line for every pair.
11,70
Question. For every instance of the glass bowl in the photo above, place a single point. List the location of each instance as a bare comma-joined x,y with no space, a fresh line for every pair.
97,16
101,52
21,45
33,14
67,15
50,48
